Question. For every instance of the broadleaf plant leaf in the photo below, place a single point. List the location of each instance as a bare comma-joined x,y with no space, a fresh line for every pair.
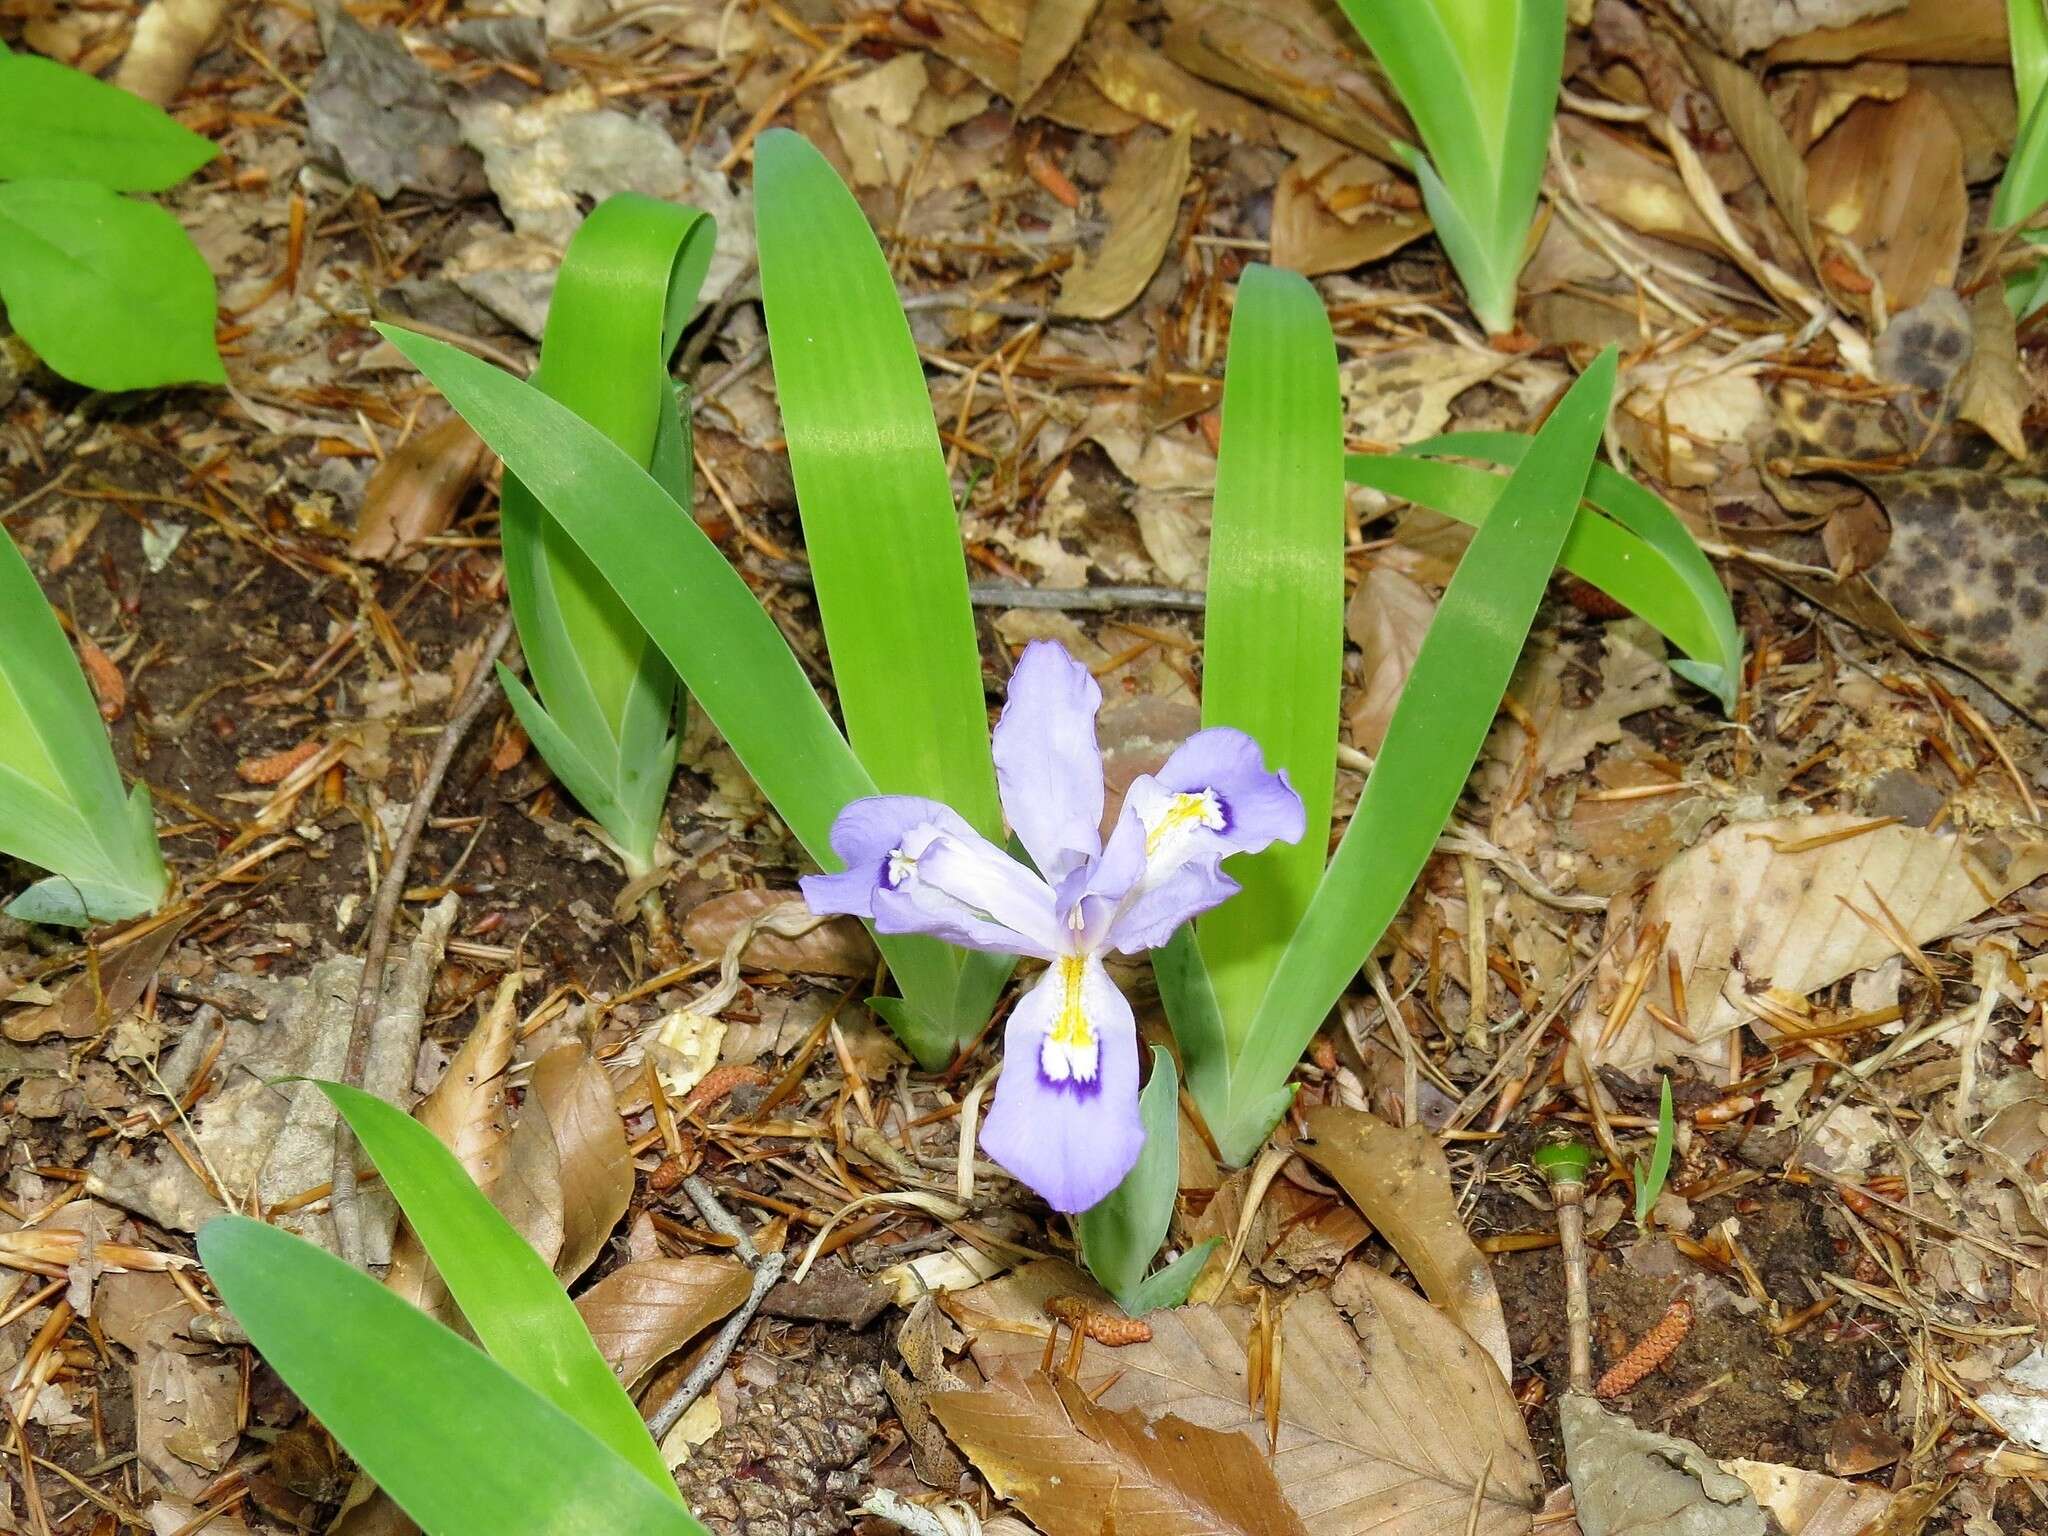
628,284
62,124
694,605
110,292
1438,728
508,1294
63,806
461,1444
1273,652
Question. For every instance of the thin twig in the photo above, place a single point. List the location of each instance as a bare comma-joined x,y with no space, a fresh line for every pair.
384,915
767,1268
1011,594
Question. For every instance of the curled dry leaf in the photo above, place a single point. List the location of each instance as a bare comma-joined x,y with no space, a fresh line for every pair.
466,1113
1888,179
1142,204
1632,1482
1754,122
90,1004
1052,28
1775,907
1077,1468
1812,1503
641,1313
1995,393
838,948
1402,1182
415,491
1391,1423
1923,32
574,1096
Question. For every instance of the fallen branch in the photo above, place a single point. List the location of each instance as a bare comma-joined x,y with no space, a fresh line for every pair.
767,1268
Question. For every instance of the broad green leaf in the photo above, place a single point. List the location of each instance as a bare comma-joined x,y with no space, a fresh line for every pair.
510,1297
694,605
1120,1234
63,124
879,523
1626,542
1438,728
628,284
2027,35
456,1439
1273,650
63,807
110,292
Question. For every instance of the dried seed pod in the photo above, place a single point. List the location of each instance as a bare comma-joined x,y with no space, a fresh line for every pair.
278,766
1651,1351
1099,1326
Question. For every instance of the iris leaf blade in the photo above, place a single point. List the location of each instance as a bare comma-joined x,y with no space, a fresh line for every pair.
458,1442
1273,648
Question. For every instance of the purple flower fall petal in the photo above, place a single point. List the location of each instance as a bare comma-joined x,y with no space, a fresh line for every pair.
1065,1120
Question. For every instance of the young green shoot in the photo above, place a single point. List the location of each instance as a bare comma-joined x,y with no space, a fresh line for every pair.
2023,189
1651,1171
63,807
1479,79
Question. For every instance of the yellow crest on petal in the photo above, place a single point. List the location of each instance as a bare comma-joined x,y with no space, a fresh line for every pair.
1070,1052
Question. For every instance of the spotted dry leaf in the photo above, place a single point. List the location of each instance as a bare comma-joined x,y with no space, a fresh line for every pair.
1078,1468
1968,564
1771,907
1393,1423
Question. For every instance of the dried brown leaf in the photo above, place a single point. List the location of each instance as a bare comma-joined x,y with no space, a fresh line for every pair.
643,1312
839,948
90,1003
994,58
1925,32
1754,122
1142,80
1401,1181
1142,204
417,488
466,1112
1295,56
1747,915
1812,1503
1888,178
109,689
1742,26
1078,1469
1387,618
1052,29
1387,1424
1995,393
1981,102
572,1092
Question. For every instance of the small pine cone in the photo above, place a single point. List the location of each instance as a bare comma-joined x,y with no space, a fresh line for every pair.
1099,1326
1651,1351
1591,601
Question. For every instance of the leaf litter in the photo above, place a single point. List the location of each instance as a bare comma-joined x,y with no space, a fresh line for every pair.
1769,206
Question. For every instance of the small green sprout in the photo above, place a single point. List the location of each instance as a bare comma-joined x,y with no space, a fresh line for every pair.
1652,1171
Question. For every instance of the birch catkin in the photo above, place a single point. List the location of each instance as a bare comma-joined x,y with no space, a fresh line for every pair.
1651,1351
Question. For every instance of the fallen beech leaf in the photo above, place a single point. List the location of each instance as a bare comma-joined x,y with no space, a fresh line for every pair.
572,1093
1142,80
87,1005
1077,1469
1142,204
994,57
1925,32
1387,1424
1387,618
641,1313
1812,1503
105,677
1622,178
1052,28
1981,102
417,488
1633,1482
170,37
1969,567
1754,123
1889,179
1743,26
1296,56
1995,395
466,1113
1401,1181
838,948
1757,907
1381,212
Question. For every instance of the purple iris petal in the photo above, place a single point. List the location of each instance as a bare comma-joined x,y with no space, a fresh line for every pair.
1065,1120
916,866
1048,766
1151,913
1258,808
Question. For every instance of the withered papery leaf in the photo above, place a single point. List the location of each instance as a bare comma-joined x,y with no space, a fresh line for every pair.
1077,1468
1889,178
1391,1423
1401,1181
643,1312
1142,204
596,1169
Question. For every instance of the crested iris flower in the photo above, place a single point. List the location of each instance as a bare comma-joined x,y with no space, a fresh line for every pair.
1065,1119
